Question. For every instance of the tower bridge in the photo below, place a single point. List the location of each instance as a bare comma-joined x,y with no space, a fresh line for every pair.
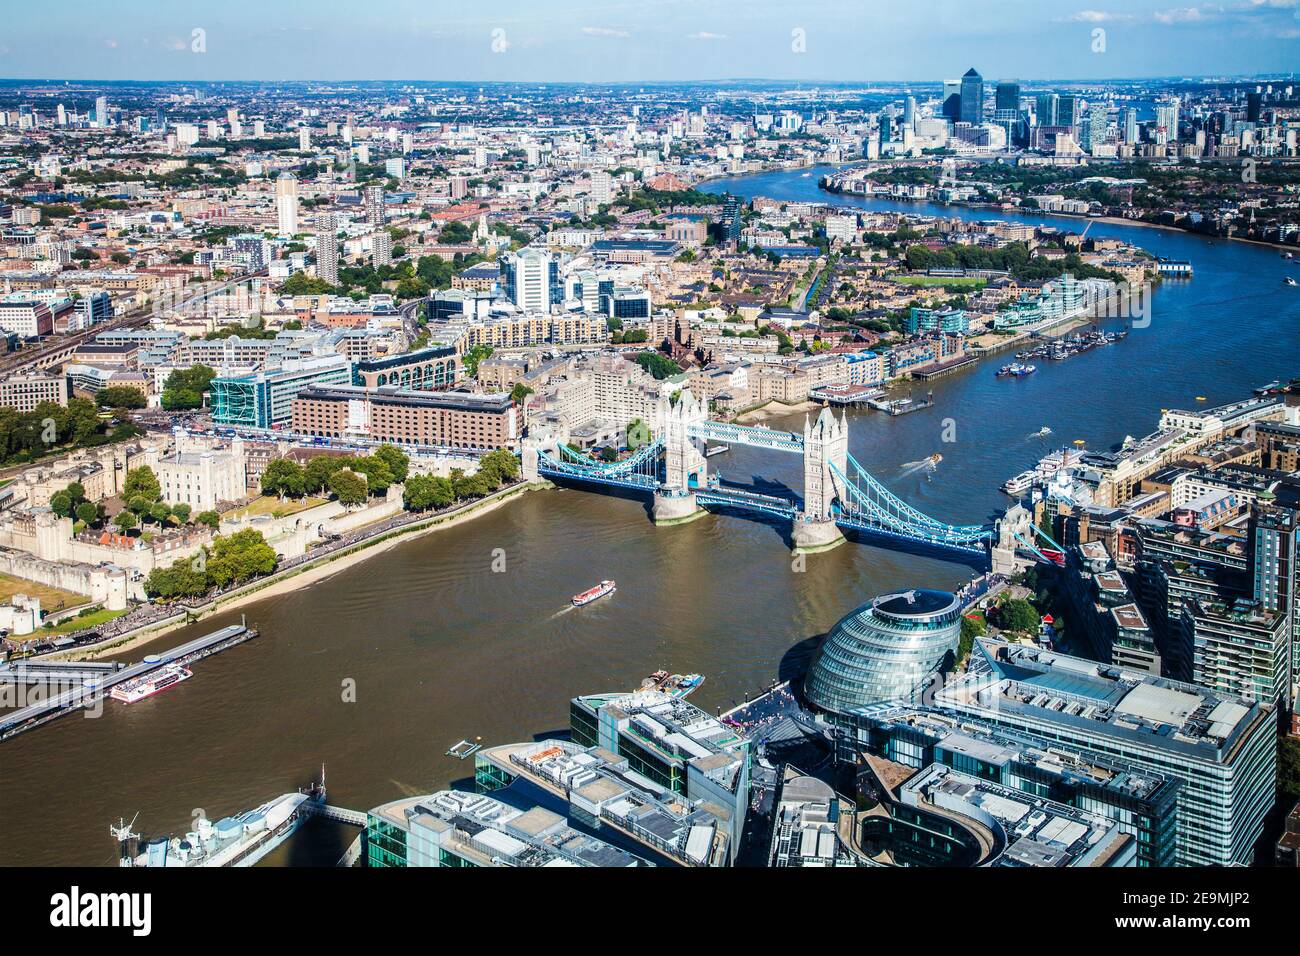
838,493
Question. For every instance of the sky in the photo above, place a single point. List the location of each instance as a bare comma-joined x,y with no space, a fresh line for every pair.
644,40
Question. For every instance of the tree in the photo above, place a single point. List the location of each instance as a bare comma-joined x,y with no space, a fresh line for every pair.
468,486
240,557
181,579
375,471
520,392
182,512
1288,767
398,462
423,492
126,520
284,477
88,512
160,512
475,355
348,487
659,366
1018,614
209,518
61,504
316,476
184,388
142,482
971,628
76,491
120,396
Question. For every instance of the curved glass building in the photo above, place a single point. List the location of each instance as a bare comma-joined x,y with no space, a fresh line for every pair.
884,649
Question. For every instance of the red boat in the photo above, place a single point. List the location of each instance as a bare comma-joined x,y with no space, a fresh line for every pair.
592,594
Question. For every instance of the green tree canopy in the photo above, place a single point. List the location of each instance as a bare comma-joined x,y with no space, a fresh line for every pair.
348,487
284,477
120,396
142,482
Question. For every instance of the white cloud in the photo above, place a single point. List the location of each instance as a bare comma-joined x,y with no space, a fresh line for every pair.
705,35
1093,16
1182,15
604,32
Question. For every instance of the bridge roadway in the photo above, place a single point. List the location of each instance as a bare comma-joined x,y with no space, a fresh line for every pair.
851,497
755,437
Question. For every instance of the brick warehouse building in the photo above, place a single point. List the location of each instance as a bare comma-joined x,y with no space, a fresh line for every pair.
409,417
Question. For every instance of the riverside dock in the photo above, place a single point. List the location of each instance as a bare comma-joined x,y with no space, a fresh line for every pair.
86,684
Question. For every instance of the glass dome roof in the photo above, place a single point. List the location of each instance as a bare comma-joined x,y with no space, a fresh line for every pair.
884,649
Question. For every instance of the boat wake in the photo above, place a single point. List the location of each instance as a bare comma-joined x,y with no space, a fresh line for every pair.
1041,433
924,466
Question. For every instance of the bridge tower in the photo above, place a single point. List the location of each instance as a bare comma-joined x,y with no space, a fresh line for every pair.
674,501
1015,525
825,443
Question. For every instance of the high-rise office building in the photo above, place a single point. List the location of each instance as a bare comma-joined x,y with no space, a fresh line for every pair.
530,279
909,112
373,199
327,249
1007,96
972,97
1274,535
952,100
1254,106
101,111
1047,108
1222,749
1067,111
286,204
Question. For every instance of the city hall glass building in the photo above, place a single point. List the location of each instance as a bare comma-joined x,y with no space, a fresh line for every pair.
885,649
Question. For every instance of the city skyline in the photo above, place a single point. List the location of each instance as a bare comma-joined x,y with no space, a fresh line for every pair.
663,41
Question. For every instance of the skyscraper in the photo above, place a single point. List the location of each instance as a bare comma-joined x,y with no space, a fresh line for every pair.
952,100
382,246
101,111
1067,111
304,138
286,203
1007,96
1274,535
373,199
1094,131
327,249
1047,106
972,97
529,277
1128,121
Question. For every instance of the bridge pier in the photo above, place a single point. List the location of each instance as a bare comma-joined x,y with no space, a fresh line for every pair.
672,507
812,535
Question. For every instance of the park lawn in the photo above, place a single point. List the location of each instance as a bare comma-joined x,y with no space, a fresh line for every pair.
52,599
271,505
76,623
974,282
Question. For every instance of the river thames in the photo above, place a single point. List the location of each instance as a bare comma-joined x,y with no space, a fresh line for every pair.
438,646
